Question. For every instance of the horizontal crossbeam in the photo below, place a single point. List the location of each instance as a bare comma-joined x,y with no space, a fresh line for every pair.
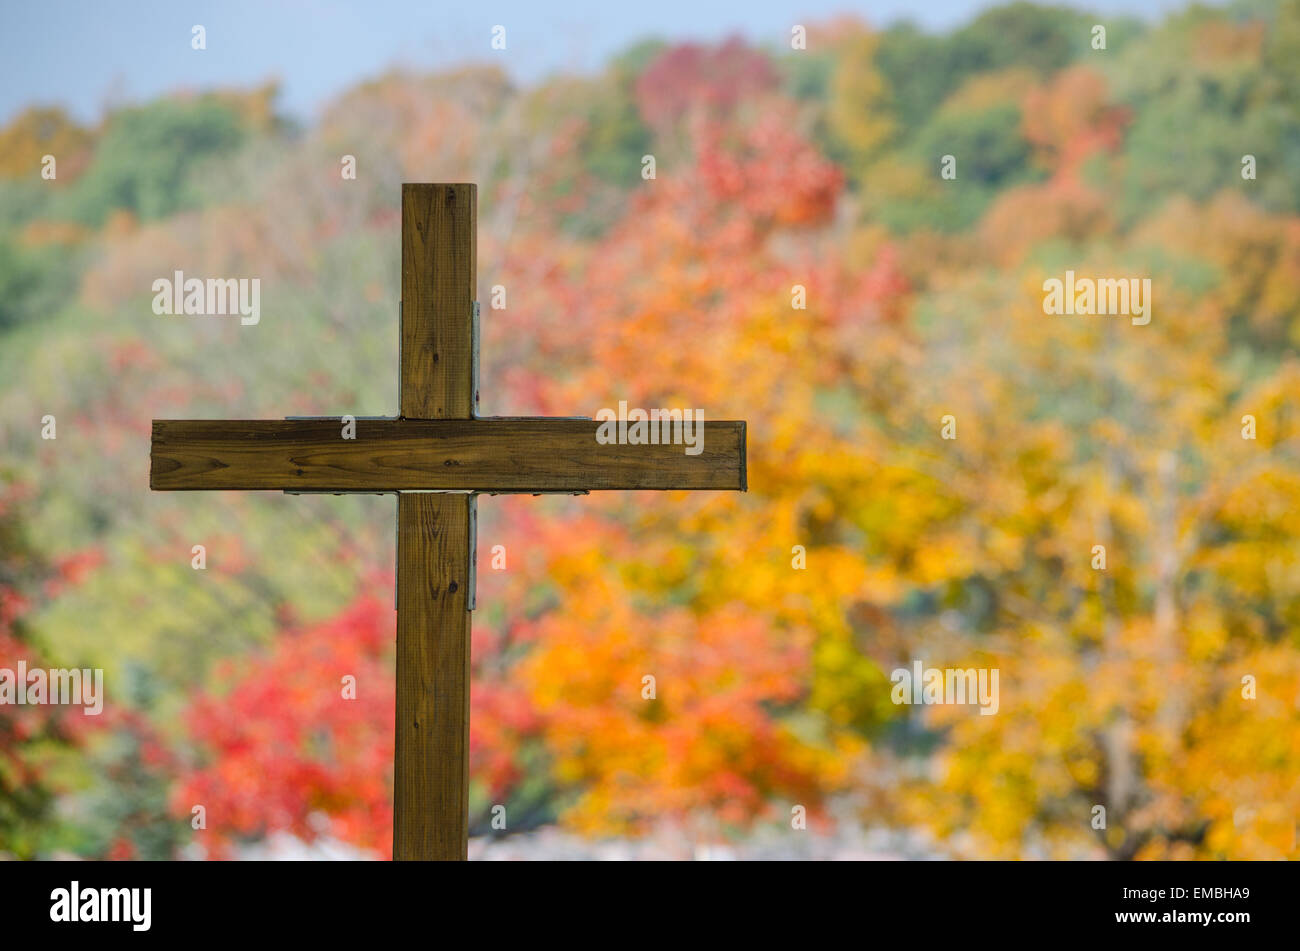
396,455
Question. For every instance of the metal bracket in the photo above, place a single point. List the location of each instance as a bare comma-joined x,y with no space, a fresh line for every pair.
534,493
473,373
340,491
527,418
471,596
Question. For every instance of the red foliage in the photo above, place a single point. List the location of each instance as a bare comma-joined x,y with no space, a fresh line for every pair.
692,76
282,747
72,570
24,729
283,744
770,175
1071,119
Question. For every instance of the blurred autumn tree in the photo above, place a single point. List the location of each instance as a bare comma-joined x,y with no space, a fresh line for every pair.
33,739
797,261
35,133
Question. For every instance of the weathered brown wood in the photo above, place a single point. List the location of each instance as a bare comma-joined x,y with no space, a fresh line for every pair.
439,260
431,775
486,454
434,532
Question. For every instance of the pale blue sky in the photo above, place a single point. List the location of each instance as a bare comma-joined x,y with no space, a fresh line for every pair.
82,54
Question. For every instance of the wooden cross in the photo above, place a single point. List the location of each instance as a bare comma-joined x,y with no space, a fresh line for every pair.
435,456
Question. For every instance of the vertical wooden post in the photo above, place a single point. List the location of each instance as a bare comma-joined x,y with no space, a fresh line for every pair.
434,545
439,257
431,776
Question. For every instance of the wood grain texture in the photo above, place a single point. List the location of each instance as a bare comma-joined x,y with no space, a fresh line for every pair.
431,778
521,455
434,543
439,260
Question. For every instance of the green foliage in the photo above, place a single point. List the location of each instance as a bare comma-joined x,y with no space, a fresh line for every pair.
20,202
615,137
924,69
123,810
1042,38
147,156
35,282
1200,101
992,156
31,738
992,151
808,74
920,71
